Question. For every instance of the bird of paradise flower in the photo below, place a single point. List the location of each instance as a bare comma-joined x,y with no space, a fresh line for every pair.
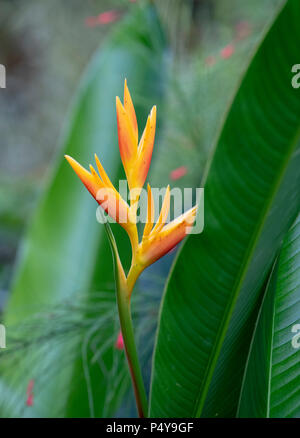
157,239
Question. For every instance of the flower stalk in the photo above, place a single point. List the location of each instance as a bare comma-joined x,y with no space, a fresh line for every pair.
131,352
123,292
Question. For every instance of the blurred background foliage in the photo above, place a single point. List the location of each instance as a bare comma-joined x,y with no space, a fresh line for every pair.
45,47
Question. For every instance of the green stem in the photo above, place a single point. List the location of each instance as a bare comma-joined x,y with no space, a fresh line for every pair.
124,289
131,351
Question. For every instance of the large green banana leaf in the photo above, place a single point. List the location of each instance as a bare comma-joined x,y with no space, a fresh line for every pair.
271,385
65,253
251,199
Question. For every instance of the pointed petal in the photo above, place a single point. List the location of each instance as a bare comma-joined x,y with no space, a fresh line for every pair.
129,108
145,133
96,177
185,220
86,177
127,139
103,174
114,205
150,214
109,199
106,182
145,149
170,235
163,212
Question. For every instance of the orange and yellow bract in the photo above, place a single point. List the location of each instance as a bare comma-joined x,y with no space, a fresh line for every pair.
159,238
136,157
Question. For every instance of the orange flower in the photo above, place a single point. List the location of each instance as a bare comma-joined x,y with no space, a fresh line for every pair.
103,191
135,157
161,238
157,239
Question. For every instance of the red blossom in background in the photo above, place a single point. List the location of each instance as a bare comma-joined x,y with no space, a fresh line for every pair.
227,51
178,173
104,18
119,342
242,31
29,393
29,401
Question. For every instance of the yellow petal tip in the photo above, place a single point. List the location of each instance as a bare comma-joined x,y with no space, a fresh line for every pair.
72,162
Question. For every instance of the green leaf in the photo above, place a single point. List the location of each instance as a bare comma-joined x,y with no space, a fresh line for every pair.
271,384
251,199
66,252
195,105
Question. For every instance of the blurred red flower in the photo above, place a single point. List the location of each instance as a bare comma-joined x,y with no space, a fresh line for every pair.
104,18
119,342
178,173
29,393
228,51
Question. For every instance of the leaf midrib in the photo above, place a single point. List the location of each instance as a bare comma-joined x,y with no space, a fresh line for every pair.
270,359
236,289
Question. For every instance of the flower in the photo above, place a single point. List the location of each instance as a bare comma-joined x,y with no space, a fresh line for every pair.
227,51
135,157
178,173
29,393
159,238
103,191
104,18
119,342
